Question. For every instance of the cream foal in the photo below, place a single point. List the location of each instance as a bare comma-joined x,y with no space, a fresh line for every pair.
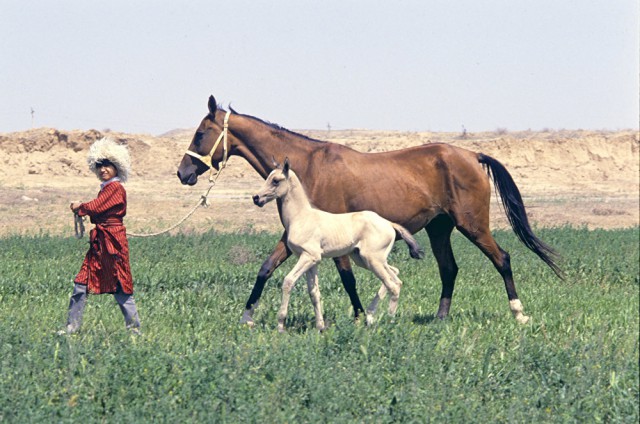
313,234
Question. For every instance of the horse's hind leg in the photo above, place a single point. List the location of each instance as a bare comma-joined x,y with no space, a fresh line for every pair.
439,231
279,254
501,260
349,283
314,294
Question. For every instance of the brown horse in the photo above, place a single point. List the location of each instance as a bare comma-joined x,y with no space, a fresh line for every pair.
434,186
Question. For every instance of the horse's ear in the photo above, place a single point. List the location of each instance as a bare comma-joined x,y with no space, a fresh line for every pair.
212,105
285,168
274,162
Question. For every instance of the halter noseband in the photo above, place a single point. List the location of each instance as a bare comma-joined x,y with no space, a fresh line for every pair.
207,159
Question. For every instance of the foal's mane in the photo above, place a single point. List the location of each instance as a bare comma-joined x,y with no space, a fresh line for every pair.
276,127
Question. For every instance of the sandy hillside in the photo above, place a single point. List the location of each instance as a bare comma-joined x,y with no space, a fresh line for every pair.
581,178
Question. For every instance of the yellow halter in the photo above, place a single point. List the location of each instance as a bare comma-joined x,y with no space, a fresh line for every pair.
207,159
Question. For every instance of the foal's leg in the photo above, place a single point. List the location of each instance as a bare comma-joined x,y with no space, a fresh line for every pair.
390,281
314,294
305,263
392,272
382,293
373,306
279,254
439,230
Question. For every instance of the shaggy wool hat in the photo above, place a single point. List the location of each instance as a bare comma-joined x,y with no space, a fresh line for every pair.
117,154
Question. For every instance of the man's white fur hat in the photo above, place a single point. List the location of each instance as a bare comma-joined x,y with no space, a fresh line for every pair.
118,154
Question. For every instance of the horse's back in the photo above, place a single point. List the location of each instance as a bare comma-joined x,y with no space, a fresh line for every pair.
408,186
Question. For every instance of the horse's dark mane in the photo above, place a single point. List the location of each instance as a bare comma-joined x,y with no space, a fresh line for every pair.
275,126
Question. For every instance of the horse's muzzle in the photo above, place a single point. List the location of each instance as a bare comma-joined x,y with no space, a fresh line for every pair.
190,179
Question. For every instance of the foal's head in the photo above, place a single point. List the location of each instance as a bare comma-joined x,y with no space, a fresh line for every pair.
276,186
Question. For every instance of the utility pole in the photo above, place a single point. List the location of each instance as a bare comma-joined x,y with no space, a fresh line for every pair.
33,112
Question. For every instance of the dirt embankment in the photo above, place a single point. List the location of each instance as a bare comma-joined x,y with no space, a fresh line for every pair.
581,178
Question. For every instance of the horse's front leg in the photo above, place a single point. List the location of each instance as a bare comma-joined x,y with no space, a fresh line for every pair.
314,293
305,263
349,282
279,254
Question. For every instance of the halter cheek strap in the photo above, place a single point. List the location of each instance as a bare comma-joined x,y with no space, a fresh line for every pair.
207,159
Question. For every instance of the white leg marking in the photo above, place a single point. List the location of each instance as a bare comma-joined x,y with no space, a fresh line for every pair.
517,310
247,316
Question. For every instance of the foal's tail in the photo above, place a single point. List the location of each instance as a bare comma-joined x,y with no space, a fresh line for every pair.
415,250
514,208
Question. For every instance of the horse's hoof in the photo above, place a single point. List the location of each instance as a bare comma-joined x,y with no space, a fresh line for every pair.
523,319
248,322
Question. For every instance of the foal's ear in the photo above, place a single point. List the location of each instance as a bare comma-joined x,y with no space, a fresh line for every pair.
285,168
274,162
213,106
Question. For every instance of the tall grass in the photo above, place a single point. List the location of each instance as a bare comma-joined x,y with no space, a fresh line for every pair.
577,361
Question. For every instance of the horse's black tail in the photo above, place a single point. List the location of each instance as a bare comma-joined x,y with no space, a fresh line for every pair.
516,213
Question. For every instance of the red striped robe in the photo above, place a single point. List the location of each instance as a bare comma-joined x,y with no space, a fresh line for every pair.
107,261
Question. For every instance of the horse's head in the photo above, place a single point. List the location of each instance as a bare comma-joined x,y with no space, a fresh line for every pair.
275,186
206,150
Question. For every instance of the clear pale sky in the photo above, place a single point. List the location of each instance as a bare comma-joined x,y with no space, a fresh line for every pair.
420,65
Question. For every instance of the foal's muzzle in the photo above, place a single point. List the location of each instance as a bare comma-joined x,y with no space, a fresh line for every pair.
257,202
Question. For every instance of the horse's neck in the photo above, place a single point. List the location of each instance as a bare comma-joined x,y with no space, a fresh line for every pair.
260,144
295,204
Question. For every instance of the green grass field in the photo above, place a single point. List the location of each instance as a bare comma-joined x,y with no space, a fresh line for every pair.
576,361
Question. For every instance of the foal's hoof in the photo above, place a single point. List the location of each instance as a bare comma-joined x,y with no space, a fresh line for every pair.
523,319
